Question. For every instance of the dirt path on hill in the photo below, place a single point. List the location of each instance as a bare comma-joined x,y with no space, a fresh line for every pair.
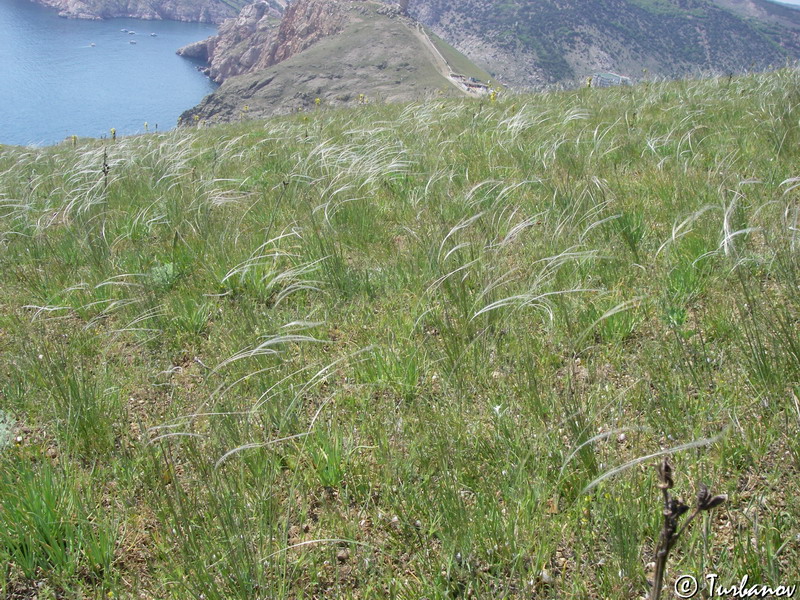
438,60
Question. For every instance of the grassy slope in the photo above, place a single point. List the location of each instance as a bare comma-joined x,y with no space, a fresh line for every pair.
457,61
375,55
446,302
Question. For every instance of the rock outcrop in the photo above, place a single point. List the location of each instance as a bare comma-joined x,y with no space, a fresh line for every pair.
259,38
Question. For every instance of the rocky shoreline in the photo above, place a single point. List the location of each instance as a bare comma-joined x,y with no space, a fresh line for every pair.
202,11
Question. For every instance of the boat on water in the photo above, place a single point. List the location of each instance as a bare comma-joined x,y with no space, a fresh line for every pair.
92,44
131,32
131,41
152,35
124,30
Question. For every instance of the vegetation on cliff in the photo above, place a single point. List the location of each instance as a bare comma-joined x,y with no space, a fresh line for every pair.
547,41
387,352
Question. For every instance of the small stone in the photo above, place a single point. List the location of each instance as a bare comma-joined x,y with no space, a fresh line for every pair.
343,555
546,577
622,438
293,535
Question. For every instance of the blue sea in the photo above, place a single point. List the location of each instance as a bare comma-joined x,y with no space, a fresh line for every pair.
62,77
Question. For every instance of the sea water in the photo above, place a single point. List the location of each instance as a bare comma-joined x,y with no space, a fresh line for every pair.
62,77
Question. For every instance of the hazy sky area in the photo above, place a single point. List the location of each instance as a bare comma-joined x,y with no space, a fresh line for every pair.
795,2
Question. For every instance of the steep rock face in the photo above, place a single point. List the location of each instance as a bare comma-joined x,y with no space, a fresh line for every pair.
304,23
240,43
204,11
256,39
534,43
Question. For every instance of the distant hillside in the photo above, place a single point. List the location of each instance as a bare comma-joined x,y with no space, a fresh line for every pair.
765,10
340,52
206,11
532,43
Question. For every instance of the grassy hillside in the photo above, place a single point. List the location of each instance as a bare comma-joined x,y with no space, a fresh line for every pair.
374,57
390,351
456,61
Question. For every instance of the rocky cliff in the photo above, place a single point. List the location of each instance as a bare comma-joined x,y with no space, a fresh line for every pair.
259,38
203,11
